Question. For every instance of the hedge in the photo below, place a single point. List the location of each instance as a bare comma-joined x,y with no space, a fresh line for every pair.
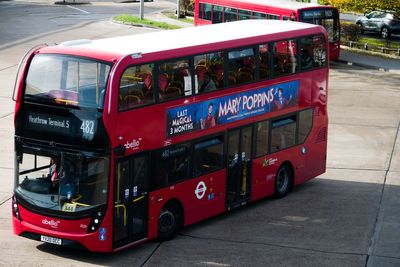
361,6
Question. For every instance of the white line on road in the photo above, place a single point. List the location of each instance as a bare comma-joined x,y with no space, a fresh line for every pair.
81,10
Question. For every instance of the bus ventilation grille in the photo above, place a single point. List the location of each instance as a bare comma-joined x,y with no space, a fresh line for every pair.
321,137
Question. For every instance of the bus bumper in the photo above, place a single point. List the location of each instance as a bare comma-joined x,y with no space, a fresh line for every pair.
98,241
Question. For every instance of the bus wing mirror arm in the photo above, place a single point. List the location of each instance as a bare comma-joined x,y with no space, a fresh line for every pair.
120,150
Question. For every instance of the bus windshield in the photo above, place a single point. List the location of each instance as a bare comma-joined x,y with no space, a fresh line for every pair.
61,181
66,80
328,18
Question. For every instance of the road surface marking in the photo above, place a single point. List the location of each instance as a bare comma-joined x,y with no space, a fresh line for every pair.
81,10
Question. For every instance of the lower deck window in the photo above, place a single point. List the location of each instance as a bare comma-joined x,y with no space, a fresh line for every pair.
208,156
283,134
172,165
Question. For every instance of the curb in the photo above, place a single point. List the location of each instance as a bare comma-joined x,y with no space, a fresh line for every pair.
368,53
362,65
365,66
133,24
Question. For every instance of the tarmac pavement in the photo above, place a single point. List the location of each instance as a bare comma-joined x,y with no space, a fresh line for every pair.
370,61
349,216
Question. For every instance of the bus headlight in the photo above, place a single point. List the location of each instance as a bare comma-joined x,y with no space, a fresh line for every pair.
95,221
15,208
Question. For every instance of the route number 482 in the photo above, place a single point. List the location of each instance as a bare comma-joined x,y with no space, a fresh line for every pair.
87,127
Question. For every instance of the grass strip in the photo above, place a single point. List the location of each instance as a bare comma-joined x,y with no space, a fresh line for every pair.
133,20
380,43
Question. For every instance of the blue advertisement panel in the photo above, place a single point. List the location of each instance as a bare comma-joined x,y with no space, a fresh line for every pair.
231,108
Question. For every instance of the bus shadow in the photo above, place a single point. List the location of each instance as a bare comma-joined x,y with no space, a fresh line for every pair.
322,214
136,256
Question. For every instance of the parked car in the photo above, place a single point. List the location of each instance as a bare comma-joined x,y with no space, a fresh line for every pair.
381,21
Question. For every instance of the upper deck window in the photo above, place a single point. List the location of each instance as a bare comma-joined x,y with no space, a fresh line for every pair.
67,81
241,66
284,57
209,71
217,14
259,15
174,79
244,14
136,87
230,14
312,52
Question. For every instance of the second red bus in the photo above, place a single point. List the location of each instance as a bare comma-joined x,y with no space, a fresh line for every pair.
218,11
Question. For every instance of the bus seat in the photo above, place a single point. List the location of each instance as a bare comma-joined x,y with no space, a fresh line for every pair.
201,72
135,91
264,73
146,79
172,92
132,100
175,83
202,63
162,82
246,69
244,77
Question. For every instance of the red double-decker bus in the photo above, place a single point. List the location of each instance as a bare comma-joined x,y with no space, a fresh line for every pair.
218,11
127,139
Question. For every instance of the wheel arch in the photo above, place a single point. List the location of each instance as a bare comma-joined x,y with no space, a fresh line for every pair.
289,164
178,203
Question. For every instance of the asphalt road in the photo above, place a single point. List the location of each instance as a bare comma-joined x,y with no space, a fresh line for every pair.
347,217
21,20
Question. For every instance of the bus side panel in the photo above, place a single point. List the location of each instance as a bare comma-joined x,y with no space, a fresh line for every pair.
266,167
263,177
317,140
305,92
200,22
296,159
334,50
200,197
196,12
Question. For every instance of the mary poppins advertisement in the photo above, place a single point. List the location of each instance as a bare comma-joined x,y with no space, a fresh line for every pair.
222,110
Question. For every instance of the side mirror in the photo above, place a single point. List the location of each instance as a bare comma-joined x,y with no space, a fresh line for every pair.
120,150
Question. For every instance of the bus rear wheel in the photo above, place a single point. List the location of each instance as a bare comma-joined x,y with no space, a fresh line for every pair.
170,221
283,181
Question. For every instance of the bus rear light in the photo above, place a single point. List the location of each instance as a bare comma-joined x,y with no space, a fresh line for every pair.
95,222
15,208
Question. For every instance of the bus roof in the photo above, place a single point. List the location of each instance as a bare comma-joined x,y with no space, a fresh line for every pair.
292,5
141,44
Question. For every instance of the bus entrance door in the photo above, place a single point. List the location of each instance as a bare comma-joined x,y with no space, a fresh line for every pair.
239,166
131,200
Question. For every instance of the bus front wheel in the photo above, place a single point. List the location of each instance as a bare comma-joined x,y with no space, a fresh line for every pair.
283,181
170,221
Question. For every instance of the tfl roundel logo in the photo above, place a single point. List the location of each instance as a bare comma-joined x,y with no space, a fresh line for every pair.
201,189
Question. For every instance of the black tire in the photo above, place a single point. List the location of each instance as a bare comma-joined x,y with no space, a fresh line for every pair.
385,33
283,181
360,28
170,221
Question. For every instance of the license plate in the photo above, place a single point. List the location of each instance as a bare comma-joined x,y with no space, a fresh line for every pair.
51,240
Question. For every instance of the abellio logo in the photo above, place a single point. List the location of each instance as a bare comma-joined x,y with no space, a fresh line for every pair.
134,144
52,223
